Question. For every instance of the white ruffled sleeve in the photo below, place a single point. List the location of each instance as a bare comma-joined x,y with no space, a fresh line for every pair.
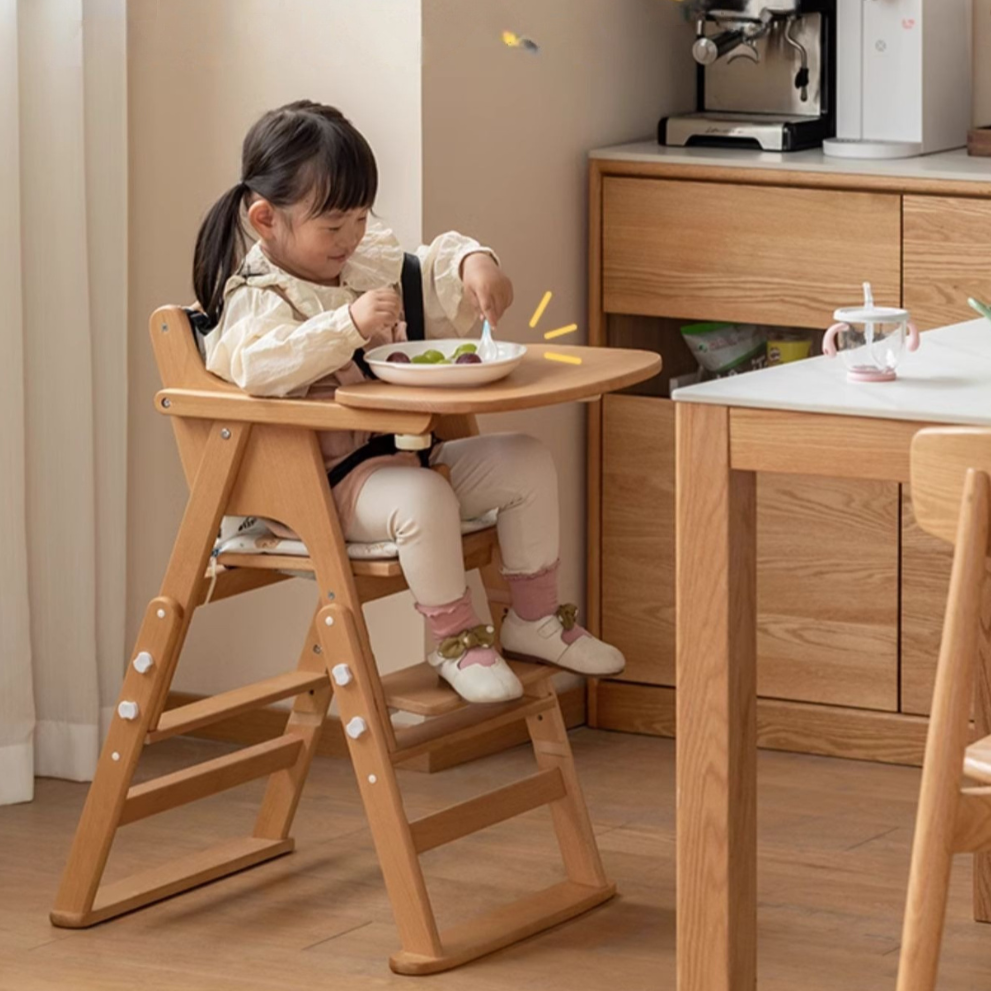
261,346
448,312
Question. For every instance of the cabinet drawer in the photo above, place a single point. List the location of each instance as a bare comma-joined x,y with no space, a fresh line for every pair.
747,254
638,535
947,257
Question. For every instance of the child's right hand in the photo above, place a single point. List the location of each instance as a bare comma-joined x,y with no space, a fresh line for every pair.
376,313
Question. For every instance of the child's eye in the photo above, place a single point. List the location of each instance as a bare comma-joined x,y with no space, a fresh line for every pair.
334,229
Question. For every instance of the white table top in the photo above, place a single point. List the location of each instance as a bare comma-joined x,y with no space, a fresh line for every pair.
950,166
948,380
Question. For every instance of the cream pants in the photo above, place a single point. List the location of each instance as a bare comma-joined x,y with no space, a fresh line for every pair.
421,512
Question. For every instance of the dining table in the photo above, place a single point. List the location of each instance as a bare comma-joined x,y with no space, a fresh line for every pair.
802,418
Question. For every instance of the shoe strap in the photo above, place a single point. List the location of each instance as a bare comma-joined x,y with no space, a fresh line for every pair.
455,647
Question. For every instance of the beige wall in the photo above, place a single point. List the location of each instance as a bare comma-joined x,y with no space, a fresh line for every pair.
199,74
505,137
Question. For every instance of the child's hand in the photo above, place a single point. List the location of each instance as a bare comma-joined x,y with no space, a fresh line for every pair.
487,286
376,313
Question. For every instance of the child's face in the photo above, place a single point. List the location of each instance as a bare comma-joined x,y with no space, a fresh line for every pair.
311,248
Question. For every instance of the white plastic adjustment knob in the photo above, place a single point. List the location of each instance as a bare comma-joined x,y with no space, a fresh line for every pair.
144,662
356,727
413,442
341,674
128,710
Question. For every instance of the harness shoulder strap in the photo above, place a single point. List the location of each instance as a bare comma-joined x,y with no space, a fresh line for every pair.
412,285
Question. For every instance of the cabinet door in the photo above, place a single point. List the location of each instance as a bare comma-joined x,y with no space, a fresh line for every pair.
827,591
638,535
827,569
747,254
926,564
947,244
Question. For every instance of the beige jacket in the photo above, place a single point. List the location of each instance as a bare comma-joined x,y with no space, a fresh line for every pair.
282,336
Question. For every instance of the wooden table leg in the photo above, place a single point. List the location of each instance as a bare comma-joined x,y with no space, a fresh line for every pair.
716,682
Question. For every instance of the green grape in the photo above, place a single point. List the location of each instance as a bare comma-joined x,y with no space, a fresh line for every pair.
466,348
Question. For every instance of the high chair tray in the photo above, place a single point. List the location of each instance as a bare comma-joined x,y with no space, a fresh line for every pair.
546,375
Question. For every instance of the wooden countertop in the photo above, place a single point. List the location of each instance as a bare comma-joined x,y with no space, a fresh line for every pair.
945,172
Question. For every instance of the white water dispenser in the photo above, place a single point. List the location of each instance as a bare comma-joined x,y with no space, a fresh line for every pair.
903,77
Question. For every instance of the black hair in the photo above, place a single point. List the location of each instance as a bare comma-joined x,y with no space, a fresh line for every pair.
304,150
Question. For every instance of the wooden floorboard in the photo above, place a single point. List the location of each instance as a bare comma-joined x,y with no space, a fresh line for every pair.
834,845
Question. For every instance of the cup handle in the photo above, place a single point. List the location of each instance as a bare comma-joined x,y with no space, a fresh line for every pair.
829,341
913,336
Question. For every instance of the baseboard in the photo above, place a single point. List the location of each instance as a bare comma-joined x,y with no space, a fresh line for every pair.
829,731
264,724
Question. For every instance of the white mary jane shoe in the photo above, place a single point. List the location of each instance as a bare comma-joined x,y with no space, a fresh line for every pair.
476,682
542,640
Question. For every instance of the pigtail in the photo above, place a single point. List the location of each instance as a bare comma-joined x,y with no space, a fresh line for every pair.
220,247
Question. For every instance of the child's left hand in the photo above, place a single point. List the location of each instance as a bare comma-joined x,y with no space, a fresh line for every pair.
487,286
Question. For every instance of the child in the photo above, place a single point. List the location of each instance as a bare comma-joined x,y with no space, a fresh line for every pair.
317,288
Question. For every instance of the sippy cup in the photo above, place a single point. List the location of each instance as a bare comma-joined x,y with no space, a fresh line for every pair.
870,339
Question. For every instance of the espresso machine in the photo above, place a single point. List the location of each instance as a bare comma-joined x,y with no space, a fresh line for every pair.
766,75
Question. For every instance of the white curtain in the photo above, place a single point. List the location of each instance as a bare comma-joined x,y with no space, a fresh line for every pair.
63,377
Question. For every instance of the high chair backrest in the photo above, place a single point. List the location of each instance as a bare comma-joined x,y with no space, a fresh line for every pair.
180,366
941,460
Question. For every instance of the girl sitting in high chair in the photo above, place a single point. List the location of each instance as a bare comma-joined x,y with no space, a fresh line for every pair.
297,310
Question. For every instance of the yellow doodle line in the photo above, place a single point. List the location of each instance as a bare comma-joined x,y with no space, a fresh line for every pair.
560,332
541,306
568,359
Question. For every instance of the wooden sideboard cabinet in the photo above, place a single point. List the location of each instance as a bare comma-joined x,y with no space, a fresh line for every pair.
850,591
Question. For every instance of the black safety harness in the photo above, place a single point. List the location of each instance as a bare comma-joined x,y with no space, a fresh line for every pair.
411,281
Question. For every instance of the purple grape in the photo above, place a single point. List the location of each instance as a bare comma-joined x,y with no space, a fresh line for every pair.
399,358
468,359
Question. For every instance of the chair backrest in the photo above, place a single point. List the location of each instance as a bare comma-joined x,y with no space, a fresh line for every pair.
941,459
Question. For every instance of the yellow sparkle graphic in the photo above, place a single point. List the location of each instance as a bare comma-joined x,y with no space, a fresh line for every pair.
568,359
513,40
560,332
541,306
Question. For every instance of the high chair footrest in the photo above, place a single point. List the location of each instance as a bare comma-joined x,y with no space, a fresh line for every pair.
173,878
504,926
455,728
203,712
419,689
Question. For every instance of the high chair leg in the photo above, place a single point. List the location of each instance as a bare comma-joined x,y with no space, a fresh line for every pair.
575,836
306,721
379,789
496,590
143,693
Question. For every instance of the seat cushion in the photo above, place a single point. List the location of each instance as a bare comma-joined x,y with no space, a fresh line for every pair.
255,535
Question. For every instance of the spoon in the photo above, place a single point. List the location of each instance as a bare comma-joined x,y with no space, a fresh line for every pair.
488,350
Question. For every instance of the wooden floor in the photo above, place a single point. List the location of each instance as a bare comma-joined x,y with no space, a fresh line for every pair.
834,856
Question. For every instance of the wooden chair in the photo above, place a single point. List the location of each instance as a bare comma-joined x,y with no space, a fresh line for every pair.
951,498
246,456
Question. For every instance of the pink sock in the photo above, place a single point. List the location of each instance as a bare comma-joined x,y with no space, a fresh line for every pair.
535,596
454,618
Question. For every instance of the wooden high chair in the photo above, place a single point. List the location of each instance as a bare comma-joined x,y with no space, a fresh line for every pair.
246,456
951,498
